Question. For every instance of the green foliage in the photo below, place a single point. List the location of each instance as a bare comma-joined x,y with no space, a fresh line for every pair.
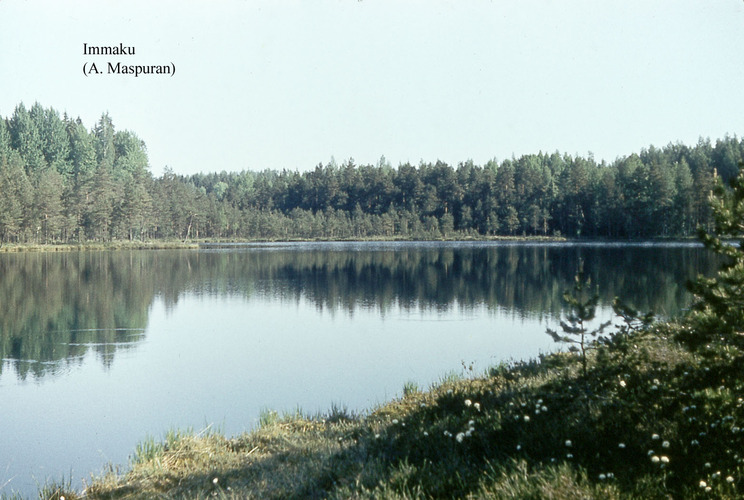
410,387
58,490
717,320
582,309
634,324
107,193
268,418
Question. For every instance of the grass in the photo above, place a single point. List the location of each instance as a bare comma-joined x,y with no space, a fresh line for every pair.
649,420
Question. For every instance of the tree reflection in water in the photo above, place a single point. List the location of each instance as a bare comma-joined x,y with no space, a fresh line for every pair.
57,307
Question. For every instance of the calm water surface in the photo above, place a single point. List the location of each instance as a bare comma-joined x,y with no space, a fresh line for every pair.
101,349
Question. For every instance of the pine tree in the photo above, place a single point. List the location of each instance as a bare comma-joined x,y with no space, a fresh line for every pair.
47,211
717,319
582,310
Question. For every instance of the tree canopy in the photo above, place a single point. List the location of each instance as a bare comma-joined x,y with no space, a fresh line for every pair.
62,182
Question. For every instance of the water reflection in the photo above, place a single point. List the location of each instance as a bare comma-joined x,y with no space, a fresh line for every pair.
58,307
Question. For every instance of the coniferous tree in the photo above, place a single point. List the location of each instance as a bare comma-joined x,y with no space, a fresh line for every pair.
25,138
659,192
581,311
55,142
99,216
78,193
47,208
718,316
15,202
104,142
4,139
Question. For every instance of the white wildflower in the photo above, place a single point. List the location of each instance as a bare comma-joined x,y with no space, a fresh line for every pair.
622,383
665,444
730,479
655,459
654,436
460,436
621,445
526,418
468,402
476,406
569,443
703,484
665,459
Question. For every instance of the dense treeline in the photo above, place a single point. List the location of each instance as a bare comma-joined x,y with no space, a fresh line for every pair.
61,182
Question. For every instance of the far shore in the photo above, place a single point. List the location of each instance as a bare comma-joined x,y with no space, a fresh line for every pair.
197,243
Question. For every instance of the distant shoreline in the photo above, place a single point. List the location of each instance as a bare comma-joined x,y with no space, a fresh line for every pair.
196,244
96,246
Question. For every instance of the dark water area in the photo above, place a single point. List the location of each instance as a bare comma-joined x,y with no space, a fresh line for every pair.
100,349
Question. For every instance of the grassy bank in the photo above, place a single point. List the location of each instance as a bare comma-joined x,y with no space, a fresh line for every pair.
648,420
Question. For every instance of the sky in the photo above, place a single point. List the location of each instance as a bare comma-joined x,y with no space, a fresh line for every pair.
290,84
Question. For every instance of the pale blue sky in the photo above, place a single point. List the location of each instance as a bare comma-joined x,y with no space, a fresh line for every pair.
289,84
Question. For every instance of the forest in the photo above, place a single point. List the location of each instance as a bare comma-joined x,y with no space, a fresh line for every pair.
64,183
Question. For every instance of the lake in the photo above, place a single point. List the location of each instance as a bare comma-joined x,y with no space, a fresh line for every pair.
101,349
